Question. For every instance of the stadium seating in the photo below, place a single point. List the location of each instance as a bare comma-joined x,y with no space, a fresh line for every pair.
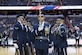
36,2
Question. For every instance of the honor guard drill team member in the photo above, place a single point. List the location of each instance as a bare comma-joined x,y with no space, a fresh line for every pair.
60,43
20,35
41,31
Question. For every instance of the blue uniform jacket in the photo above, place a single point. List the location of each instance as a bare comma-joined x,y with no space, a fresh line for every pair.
20,34
39,43
60,41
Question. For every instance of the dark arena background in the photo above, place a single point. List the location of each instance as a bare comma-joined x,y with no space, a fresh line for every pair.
71,10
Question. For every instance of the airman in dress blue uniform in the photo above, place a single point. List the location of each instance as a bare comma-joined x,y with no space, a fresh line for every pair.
59,38
20,35
41,32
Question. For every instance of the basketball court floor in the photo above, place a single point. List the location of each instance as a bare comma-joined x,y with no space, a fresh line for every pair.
71,49
11,51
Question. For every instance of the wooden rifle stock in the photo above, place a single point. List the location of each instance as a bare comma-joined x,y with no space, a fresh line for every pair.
17,51
28,50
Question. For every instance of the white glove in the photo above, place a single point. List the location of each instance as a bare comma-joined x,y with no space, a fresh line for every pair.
15,45
51,44
26,43
50,50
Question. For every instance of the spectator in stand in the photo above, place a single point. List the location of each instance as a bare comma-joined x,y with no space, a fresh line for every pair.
69,32
5,35
19,2
29,2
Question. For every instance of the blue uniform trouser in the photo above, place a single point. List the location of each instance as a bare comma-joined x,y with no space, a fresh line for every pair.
22,48
61,51
41,51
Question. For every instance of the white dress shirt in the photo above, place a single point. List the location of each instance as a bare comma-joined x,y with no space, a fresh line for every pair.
41,26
